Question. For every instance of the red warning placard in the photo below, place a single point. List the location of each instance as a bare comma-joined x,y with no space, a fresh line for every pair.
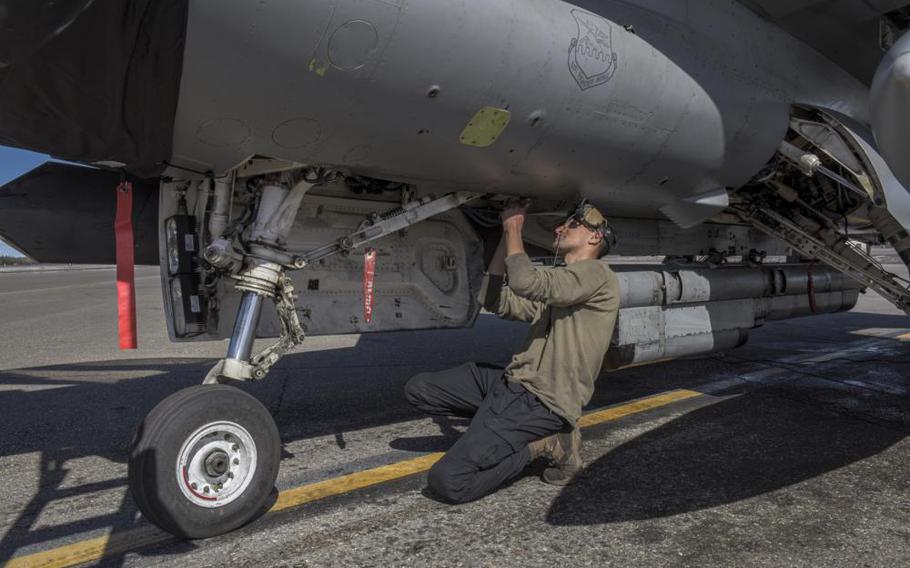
369,274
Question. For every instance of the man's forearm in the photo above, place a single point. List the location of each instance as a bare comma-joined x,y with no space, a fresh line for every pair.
497,263
514,242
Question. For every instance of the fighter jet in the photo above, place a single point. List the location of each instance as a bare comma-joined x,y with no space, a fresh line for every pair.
335,166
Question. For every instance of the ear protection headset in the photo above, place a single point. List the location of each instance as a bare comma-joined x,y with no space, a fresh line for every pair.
593,219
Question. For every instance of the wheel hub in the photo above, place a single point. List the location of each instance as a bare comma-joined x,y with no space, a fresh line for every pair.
216,463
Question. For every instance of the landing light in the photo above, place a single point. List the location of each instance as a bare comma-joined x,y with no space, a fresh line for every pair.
188,306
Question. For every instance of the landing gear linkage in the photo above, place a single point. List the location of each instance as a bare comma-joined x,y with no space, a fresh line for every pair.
265,277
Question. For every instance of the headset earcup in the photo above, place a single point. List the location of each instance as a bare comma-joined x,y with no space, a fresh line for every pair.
609,238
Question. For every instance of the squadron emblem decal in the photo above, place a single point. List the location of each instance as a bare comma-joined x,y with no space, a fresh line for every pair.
592,60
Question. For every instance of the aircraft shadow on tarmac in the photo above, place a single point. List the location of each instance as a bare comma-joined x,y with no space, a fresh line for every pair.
722,453
726,452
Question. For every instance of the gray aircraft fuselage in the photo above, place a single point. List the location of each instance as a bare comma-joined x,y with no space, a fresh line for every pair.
635,104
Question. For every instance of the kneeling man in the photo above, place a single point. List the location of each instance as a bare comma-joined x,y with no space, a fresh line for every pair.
530,409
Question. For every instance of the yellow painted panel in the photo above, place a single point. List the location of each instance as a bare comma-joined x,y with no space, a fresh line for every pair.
485,127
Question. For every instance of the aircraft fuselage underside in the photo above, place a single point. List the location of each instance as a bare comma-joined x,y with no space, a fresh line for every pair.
651,112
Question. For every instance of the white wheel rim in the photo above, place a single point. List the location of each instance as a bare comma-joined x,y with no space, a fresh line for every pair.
216,464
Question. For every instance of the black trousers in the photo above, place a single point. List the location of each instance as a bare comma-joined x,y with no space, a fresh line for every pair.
505,417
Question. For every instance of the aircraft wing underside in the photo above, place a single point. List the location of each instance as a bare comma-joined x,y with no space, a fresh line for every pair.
92,81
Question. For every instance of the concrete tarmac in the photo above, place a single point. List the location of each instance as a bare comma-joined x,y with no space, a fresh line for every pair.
794,453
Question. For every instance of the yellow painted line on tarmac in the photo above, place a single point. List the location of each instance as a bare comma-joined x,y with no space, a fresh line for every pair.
904,337
91,550
96,549
635,407
352,482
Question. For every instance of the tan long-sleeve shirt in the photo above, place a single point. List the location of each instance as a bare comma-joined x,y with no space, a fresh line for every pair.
572,311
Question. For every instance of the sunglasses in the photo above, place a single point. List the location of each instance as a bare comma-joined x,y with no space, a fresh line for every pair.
572,223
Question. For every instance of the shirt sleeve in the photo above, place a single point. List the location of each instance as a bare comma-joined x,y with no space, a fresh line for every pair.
562,287
501,301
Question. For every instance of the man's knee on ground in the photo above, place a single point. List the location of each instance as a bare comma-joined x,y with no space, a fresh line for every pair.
444,483
415,390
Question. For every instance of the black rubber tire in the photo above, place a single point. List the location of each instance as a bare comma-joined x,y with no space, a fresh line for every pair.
155,448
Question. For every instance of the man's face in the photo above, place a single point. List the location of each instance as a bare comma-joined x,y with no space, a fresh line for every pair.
571,236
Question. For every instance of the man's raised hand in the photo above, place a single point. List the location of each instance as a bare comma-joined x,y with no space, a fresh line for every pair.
513,215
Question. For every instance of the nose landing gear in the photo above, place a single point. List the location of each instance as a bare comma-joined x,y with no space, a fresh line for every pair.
204,461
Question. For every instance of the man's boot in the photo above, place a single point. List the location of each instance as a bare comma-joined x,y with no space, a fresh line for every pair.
543,447
564,450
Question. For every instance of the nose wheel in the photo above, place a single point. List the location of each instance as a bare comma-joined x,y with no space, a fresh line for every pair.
204,461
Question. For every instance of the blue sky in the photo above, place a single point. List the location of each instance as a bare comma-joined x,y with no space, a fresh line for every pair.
14,163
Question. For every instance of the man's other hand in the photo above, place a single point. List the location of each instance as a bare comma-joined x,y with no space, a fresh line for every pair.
513,216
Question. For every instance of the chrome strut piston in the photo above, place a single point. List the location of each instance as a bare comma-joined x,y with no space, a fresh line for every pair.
241,346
